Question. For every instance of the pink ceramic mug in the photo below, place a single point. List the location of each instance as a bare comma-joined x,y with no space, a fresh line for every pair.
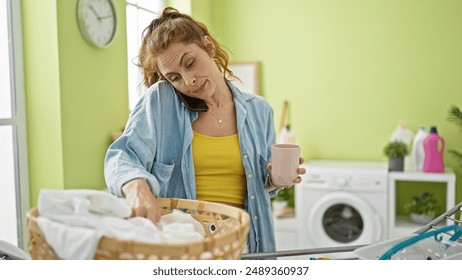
285,160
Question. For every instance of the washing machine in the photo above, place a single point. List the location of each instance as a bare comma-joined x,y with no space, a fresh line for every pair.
342,203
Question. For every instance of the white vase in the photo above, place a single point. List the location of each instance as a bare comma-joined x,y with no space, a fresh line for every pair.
278,206
421,218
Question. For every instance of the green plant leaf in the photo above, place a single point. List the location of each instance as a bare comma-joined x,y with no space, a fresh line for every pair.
396,149
455,116
286,194
425,204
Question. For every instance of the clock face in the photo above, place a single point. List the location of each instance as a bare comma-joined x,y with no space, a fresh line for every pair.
97,21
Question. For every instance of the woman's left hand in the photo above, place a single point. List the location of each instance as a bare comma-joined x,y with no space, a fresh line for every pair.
300,171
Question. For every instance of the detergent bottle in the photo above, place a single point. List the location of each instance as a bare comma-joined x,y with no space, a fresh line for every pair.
418,153
401,133
434,148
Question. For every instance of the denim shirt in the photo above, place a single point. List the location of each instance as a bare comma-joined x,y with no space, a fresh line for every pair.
156,146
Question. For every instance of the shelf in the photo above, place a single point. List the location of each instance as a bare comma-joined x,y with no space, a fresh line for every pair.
399,225
403,221
447,176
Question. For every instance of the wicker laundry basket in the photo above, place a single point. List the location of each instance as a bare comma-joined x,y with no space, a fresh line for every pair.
231,226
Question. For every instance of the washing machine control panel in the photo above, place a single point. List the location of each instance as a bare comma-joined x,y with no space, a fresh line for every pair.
344,180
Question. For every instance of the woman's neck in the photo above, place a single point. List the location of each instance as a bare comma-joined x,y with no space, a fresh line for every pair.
222,97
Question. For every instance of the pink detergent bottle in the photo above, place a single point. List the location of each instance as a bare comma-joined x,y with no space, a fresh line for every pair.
434,148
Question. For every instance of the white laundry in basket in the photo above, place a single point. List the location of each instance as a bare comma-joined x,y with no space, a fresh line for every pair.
73,222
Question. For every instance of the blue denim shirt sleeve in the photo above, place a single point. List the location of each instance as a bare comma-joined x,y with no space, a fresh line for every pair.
135,154
156,146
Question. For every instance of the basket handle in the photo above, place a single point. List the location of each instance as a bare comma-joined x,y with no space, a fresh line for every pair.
433,233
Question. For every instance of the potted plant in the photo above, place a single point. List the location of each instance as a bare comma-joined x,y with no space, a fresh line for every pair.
282,201
422,209
396,151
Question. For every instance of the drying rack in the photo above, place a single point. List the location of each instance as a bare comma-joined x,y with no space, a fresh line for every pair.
450,217
10,252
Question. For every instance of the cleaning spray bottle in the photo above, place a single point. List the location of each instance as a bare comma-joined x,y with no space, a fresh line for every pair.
434,148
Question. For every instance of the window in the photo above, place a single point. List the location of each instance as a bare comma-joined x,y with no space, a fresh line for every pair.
139,14
14,185
5,90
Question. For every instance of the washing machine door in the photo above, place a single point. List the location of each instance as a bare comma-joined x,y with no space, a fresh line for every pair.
343,219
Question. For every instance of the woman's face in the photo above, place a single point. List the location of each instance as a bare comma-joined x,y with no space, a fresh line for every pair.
190,69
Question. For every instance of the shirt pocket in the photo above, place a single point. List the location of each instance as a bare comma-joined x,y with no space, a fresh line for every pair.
262,165
262,168
163,173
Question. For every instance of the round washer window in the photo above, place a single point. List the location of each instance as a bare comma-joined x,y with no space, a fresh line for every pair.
342,223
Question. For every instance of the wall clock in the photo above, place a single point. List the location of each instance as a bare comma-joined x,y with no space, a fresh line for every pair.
97,21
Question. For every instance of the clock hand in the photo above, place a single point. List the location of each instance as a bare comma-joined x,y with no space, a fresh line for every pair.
109,16
95,12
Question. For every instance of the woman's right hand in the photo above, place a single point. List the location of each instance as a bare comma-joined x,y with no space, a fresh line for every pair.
141,200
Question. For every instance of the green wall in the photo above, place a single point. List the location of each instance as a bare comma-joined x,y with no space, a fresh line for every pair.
350,70
76,95
43,101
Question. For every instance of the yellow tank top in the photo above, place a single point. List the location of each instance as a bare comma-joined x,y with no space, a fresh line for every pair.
220,176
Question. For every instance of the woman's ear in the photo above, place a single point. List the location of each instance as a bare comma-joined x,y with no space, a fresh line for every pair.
209,46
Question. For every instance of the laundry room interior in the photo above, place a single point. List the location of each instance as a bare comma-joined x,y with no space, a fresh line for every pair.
344,79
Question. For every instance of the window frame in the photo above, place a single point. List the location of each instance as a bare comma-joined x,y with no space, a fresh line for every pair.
18,118
136,91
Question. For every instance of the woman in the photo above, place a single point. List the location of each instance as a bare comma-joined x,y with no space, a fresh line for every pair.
194,135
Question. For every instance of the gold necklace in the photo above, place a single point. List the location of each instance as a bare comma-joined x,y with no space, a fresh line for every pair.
215,115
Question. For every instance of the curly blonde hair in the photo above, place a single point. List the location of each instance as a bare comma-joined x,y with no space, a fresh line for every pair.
173,26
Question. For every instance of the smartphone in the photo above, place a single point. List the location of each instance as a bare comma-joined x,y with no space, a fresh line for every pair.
193,104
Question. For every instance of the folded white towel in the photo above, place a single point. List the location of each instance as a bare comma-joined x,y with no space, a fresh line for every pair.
73,222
